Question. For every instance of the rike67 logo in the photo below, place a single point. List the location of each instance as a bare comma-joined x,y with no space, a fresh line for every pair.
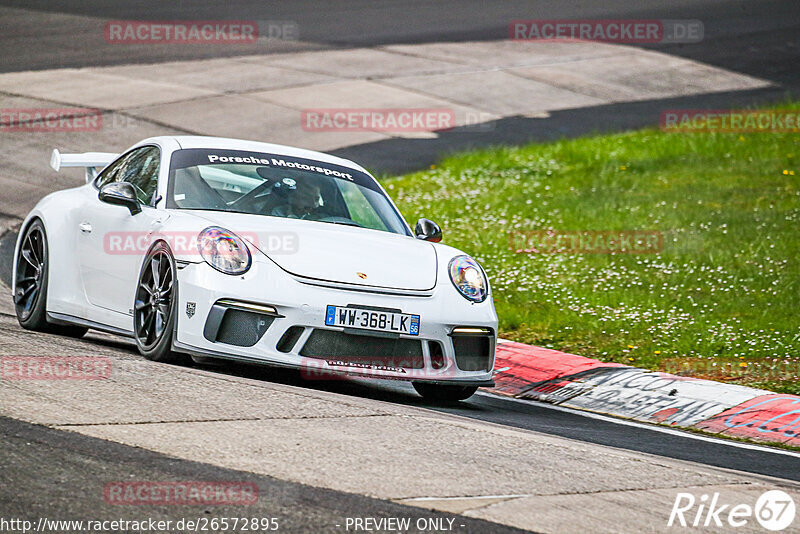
774,510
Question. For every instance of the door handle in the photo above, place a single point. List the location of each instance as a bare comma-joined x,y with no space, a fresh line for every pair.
85,227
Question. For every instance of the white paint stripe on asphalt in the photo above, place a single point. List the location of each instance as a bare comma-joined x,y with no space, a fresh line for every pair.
653,427
469,497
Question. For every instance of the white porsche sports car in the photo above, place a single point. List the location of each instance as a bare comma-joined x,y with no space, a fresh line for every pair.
228,249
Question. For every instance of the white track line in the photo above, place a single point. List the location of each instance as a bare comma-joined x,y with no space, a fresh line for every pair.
655,428
467,498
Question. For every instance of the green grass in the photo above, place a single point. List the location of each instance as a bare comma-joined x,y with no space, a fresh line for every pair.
724,293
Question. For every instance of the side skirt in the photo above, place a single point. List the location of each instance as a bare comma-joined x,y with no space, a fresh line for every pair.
64,319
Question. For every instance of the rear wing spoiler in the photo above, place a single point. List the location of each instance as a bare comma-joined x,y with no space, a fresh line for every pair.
94,162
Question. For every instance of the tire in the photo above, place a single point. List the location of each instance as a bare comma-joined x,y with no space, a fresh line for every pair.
442,393
155,305
30,296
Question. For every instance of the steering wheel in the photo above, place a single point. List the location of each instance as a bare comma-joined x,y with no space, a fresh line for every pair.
251,194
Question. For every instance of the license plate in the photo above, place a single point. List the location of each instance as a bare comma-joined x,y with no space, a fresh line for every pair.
381,321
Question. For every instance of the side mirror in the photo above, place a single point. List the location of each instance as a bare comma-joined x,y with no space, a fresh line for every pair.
120,194
428,230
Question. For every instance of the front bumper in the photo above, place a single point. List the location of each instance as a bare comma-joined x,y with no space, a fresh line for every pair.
319,351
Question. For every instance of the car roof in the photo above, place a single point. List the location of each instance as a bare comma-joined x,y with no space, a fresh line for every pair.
198,141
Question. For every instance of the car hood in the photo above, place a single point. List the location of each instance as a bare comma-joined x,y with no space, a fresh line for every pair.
335,252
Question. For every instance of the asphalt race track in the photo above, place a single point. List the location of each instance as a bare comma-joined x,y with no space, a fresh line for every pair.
57,468
572,424
547,419
61,447
757,38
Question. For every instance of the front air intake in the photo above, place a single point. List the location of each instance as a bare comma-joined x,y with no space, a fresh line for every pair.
289,338
242,328
234,324
473,351
364,350
436,354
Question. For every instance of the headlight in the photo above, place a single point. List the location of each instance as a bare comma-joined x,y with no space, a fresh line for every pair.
468,277
223,250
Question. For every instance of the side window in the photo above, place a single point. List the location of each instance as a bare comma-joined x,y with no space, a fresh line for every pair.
110,173
140,168
142,172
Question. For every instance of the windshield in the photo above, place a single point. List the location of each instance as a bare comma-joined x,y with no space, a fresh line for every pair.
279,186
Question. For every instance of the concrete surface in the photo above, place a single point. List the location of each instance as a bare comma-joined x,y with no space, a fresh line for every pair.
221,75
617,511
59,475
373,456
87,88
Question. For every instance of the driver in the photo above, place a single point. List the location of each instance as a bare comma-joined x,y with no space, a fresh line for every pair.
301,199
